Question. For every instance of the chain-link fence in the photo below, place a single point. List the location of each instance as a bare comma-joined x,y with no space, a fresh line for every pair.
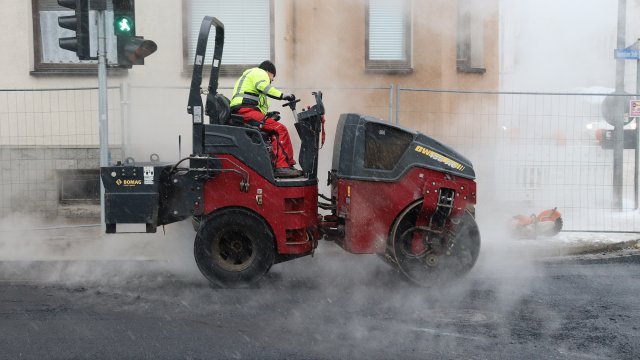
49,138
162,112
49,147
532,151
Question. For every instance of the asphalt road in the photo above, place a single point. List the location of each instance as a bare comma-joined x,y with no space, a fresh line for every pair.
331,306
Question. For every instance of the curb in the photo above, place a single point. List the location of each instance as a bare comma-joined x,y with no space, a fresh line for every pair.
588,249
621,252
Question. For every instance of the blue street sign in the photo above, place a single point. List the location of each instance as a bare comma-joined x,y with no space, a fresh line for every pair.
627,54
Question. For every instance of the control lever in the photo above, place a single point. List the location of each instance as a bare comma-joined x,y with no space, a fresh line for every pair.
292,106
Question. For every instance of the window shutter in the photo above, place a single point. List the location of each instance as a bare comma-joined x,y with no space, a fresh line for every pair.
387,30
247,30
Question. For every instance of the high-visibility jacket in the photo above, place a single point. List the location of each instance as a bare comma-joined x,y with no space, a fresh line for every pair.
252,89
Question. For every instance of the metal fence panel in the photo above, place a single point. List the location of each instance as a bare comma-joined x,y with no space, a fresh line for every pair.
47,133
162,112
531,151
43,133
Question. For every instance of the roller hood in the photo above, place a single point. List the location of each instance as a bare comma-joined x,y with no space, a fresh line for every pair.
368,148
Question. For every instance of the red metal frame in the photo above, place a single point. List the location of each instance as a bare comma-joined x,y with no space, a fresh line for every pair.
291,212
369,208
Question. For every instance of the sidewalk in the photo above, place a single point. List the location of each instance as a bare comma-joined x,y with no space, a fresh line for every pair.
579,243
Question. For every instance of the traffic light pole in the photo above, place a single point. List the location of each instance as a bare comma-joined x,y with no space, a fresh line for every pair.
618,128
102,104
131,51
637,151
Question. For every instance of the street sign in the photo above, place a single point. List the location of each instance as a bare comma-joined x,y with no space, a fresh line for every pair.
634,108
626,54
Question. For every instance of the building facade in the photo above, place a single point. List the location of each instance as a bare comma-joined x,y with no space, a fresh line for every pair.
358,52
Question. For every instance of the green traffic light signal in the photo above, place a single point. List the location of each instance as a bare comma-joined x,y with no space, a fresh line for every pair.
123,26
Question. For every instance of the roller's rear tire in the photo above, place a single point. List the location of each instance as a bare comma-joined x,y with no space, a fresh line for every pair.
234,248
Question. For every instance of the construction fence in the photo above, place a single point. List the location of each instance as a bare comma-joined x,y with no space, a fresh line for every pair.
49,147
531,151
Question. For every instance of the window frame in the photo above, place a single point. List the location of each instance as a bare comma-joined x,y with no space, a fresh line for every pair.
464,40
88,176
391,66
226,70
41,68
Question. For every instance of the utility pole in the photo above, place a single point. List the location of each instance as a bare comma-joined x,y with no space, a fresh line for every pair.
636,157
103,112
132,50
618,129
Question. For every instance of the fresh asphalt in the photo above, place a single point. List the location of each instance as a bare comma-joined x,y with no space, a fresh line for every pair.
330,306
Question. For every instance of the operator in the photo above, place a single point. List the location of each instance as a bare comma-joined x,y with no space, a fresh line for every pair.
250,100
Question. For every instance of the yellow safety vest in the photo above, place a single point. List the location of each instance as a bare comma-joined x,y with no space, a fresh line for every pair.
252,90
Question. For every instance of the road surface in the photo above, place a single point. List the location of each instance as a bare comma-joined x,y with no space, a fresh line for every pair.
332,306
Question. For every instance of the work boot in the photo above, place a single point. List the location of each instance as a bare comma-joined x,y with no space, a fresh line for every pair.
287,172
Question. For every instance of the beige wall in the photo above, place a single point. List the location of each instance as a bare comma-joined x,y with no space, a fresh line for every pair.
319,44
330,39
159,23
323,46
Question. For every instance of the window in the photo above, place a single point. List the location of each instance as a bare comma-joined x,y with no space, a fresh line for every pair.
49,57
248,30
79,186
388,39
470,42
384,146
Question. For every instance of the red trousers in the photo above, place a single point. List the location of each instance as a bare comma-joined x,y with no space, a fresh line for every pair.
280,144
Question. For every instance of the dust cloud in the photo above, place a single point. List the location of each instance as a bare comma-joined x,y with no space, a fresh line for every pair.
62,252
506,271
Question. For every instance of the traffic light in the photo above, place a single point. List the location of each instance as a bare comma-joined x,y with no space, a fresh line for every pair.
132,49
79,22
124,17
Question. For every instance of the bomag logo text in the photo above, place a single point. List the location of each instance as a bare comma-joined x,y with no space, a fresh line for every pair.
439,157
129,182
132,182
